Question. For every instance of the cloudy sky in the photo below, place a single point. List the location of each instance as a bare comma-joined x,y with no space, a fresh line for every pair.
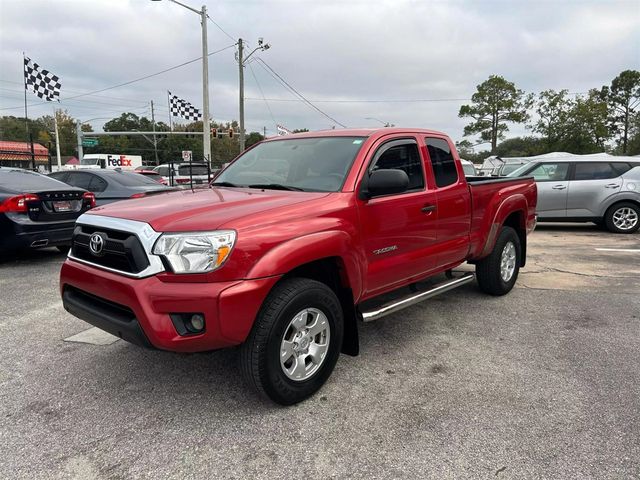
411,63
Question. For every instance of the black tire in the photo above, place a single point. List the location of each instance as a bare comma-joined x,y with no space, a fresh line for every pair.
63,248
260,354
610,221
488,271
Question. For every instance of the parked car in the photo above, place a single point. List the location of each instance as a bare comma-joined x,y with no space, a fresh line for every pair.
510,165
155,176
468,167
297,239
111,185
37,211
183,173
602,190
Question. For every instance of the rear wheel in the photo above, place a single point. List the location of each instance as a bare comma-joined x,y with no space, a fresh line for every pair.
497,273
295,341
623,217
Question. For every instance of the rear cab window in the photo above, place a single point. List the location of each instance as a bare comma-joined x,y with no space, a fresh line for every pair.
442,161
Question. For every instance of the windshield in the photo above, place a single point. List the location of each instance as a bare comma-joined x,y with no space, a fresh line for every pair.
310,164
518,171
132,179
196,169
469,170
90,161
24,181
511,167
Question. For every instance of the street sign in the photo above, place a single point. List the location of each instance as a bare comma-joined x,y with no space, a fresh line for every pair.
89,142
186,155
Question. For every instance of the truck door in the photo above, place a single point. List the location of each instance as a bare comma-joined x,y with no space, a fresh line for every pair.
453,203
398,230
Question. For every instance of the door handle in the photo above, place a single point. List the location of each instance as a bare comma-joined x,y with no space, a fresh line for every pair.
612,185
558,187
428,208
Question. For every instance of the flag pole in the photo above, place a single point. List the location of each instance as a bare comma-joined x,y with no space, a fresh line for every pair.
55,123
169,104
24,78
26,114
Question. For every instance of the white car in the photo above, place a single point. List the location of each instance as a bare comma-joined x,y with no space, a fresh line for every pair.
469,168
183,173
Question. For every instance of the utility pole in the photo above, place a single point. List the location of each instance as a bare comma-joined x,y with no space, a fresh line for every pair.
241,62
241,78
155,139
79,140
206,130
264,132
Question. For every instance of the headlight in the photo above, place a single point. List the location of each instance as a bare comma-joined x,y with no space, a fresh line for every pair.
195,252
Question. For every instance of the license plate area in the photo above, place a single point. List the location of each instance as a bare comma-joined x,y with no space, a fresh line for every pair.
62,206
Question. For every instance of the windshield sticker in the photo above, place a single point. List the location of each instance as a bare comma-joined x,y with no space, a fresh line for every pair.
357,142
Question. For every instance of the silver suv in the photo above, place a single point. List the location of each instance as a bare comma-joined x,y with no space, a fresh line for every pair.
603,191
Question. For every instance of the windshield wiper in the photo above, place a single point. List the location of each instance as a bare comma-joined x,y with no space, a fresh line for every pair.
276,186
224,184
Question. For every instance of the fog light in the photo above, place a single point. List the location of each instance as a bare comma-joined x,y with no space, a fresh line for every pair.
197,322
188,323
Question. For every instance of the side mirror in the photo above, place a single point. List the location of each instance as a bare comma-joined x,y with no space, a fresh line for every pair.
386,182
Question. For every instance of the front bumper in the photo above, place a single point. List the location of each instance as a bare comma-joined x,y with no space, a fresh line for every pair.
137,309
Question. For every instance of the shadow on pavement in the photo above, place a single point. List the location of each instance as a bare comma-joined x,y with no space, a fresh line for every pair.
27,256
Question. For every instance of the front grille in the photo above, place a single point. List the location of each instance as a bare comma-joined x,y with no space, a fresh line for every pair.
121,250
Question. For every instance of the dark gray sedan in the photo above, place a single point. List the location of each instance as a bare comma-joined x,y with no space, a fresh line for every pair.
111,185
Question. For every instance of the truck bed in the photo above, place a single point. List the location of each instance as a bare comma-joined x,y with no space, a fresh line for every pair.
487,194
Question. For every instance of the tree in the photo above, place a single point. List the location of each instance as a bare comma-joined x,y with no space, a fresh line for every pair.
522,147
553,114
253,138
587,126
633,148
623,98
496,102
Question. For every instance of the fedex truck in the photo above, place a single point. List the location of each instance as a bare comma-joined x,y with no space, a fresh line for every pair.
111,161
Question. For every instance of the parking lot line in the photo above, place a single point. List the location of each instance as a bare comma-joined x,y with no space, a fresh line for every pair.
93,336
628,250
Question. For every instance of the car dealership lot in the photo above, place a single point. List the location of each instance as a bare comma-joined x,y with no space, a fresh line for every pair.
542,382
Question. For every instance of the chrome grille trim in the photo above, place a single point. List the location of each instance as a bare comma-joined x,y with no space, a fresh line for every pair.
143,231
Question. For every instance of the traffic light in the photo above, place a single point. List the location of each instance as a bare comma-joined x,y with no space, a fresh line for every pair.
214,133
231,133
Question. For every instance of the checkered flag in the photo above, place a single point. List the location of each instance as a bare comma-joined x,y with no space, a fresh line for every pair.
40,81
182,108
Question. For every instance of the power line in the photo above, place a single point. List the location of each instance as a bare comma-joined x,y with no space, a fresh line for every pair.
365,101
220,28
272,71
129,82
262,93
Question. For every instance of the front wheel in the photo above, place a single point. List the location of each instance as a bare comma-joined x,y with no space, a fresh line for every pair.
623,217
497,273
295,341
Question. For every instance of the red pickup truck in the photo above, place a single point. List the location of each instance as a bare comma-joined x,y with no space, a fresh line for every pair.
293,244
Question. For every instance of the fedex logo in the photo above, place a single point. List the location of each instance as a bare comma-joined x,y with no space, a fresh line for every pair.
121,161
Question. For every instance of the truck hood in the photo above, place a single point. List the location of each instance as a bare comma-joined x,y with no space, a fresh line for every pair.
204,209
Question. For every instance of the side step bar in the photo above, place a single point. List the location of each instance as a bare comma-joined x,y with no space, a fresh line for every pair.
404,302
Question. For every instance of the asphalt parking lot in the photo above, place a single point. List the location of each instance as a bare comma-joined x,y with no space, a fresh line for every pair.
542,383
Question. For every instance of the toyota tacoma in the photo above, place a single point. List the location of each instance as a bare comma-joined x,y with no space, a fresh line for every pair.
295,242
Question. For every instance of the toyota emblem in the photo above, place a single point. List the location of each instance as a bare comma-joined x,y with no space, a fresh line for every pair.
96,244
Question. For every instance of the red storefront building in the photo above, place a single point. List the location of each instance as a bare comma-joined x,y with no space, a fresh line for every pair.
18,154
